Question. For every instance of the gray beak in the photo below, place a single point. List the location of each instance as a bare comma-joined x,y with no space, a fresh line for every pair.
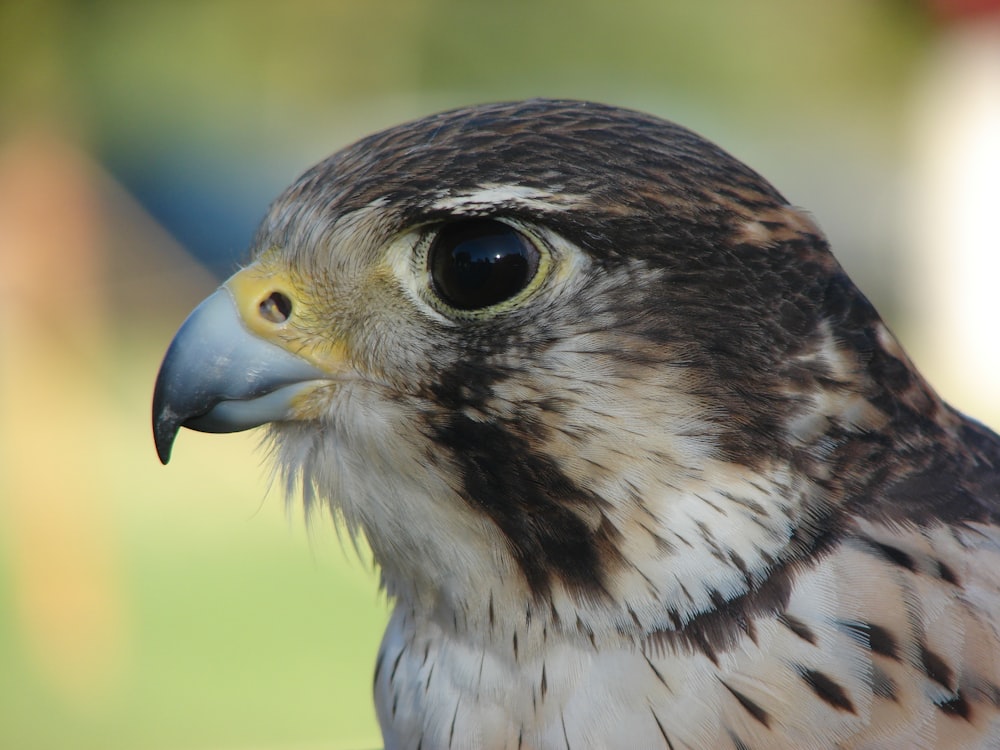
217,376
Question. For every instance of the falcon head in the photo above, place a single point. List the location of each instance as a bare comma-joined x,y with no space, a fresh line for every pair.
557,361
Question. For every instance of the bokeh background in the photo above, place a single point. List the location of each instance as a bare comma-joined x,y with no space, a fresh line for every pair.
184,607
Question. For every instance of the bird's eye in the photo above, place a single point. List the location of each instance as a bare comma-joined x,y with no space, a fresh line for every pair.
480,262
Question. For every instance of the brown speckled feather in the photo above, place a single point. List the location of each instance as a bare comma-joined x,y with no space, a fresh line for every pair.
679,488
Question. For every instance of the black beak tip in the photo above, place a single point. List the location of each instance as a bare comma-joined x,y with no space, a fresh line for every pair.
163,436
166,422
164,433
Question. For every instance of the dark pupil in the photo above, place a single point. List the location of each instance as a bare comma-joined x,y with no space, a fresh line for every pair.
480,262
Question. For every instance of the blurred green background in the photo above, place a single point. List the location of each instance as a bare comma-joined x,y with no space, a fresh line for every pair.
184,607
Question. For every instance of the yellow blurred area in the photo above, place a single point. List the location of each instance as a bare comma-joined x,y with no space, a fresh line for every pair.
66,590
141,606
155,607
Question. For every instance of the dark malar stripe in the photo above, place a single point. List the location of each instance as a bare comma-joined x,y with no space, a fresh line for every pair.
532,501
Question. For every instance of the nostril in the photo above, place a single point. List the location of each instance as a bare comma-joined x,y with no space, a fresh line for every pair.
276,307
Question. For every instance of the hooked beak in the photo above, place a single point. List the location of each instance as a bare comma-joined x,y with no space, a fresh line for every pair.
227,371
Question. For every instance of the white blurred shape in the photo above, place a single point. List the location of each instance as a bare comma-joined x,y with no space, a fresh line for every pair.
955,217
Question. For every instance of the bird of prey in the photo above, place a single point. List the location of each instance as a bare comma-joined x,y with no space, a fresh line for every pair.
639,464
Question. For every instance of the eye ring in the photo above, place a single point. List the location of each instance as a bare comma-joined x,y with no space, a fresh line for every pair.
478,263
